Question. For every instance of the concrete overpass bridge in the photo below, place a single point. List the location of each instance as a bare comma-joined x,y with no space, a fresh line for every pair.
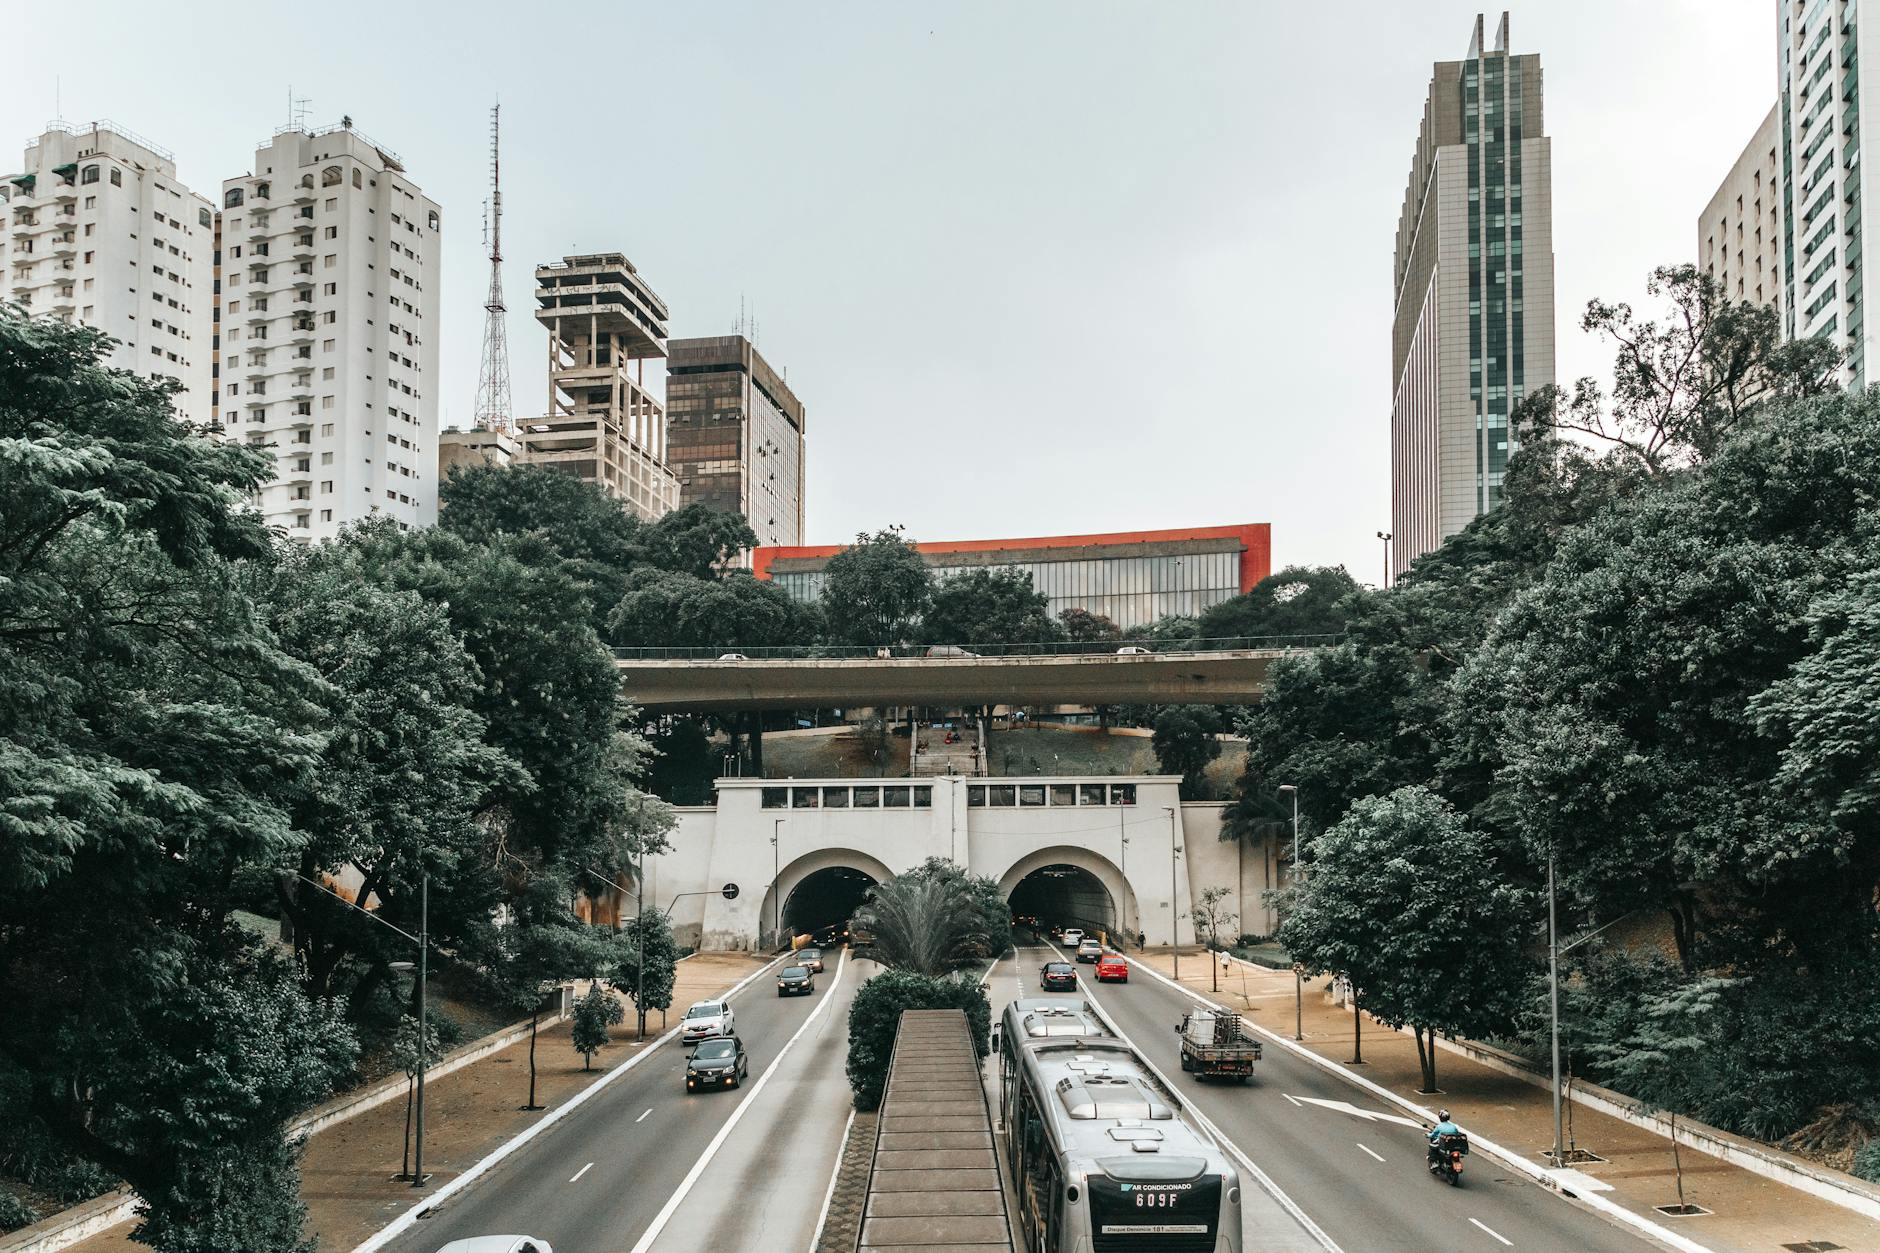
1202,672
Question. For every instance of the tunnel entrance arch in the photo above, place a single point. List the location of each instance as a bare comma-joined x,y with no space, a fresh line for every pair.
820,889
1072,886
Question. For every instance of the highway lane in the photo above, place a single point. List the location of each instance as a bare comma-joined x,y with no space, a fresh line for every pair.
1363,1180
594,1182
764,1187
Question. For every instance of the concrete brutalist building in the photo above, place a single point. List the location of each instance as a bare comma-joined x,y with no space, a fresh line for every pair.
734,435
1474,291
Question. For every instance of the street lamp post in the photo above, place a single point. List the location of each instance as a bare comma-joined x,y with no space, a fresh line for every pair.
1386,537
422,940
1122,851
776,881
1299,992
1174,925
1553,996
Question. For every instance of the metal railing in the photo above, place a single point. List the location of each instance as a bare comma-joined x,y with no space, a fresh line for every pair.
954,652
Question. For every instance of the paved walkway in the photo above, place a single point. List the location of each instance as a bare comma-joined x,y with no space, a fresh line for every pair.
1748,1211
346,1175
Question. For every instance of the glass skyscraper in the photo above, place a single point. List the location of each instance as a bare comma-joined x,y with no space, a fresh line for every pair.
1473,285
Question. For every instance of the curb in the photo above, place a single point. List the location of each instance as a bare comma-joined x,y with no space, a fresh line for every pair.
1513,1160
398,1226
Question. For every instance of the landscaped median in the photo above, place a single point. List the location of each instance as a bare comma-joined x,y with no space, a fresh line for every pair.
471,1110
1497,1102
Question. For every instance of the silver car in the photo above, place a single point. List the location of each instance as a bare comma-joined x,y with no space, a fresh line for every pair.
706,1020
497,1244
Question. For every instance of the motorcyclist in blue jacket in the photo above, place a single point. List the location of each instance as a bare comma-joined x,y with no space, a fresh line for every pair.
1443,1127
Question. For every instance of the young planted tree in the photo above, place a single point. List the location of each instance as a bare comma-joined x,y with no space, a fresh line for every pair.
593,1014
1212,918
645,962
1405,900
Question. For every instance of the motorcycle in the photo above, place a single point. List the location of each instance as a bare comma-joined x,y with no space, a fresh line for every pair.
1446,1154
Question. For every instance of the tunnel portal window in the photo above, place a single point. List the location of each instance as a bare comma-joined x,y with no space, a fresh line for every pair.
804,797
1002,796
1063,794
1090,793
867,798
923,798
776,798
835,798
894,797
975,796
1122,793
1031,794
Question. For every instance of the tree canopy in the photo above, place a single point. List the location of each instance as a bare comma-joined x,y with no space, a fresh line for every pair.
1299,600
876,590
988,606
666,608
1186,740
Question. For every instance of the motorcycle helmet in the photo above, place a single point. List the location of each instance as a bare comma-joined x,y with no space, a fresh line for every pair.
1442,1115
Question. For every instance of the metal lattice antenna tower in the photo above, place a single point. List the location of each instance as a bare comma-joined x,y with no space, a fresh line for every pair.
493,408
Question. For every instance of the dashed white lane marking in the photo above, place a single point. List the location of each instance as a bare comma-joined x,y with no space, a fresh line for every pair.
1367,1149
642,1117
1491,1231
584,1170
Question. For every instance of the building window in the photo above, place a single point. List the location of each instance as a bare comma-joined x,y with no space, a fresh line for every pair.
1002,795
894,797
867,798
1063,794
923,797
117,180
232,198
975,796
805,797
1031,794
358,181
330,177
90,175
202,217
835,798
1122,794
776,798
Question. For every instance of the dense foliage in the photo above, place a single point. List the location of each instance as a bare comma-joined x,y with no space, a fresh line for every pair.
876,590
875,1016
936,918
1654,663
1186,741
992,607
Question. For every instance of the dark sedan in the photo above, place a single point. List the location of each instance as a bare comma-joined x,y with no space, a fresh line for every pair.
795,981
719,1063
1058,977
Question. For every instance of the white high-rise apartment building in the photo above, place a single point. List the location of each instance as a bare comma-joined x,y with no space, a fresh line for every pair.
1823,103
328,322
1740,235
99,231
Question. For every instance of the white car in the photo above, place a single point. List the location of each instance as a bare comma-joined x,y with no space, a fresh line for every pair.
1072,938
732,657
706,1020
1131,650
497,1244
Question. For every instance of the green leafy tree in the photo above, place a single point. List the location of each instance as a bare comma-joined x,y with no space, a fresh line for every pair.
990,607
683,765
876,590
1083,627
1299,600
1187,739
875,1017
698,540
1212,919
646,963
1404,899
538,952
665,608
593,1014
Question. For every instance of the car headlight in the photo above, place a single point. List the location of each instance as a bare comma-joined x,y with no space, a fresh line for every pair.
690,1073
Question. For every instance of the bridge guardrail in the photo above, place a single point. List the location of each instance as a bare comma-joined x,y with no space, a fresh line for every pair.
945,652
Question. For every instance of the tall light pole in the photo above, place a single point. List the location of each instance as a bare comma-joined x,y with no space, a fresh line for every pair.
1122,852
1385,536
422,940
1553,996
776,881
1299,992
1174,925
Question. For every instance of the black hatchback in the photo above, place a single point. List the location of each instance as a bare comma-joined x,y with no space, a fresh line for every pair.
795,981
1058,977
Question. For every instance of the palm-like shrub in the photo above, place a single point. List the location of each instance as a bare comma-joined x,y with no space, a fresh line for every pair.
923,924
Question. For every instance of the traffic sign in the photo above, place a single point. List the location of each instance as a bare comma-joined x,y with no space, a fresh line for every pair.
730,891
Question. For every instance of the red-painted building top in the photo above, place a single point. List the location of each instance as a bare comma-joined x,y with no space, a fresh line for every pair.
1255,538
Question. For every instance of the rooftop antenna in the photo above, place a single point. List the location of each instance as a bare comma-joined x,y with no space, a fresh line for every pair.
493,405
58,100
297,107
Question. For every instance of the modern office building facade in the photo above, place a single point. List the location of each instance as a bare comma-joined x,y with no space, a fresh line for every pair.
1131,577
602,424
734,435
1740,235
99,231
1822,105
1473,331
327,333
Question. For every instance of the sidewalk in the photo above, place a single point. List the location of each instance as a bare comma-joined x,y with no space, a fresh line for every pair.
346,1174
1749,1212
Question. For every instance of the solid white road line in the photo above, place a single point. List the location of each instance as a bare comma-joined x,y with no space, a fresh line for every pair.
711,1150
1491,1231
1273,1189
834,1175
1367,1149
584,1170
404,1221
642,1117
1296,1104
1545,1177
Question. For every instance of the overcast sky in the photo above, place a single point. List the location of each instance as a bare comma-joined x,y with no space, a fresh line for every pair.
1035,267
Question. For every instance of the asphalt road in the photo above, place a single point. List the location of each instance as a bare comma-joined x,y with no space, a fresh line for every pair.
595,1181
1361,1179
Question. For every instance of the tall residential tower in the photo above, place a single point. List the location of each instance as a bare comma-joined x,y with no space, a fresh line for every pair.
734,435
328,328
99,231
602,425
1740,235
1474,291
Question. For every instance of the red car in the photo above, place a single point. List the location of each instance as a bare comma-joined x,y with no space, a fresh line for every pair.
1111,966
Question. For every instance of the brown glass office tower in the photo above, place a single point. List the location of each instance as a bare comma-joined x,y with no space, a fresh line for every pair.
734,435
1474,291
